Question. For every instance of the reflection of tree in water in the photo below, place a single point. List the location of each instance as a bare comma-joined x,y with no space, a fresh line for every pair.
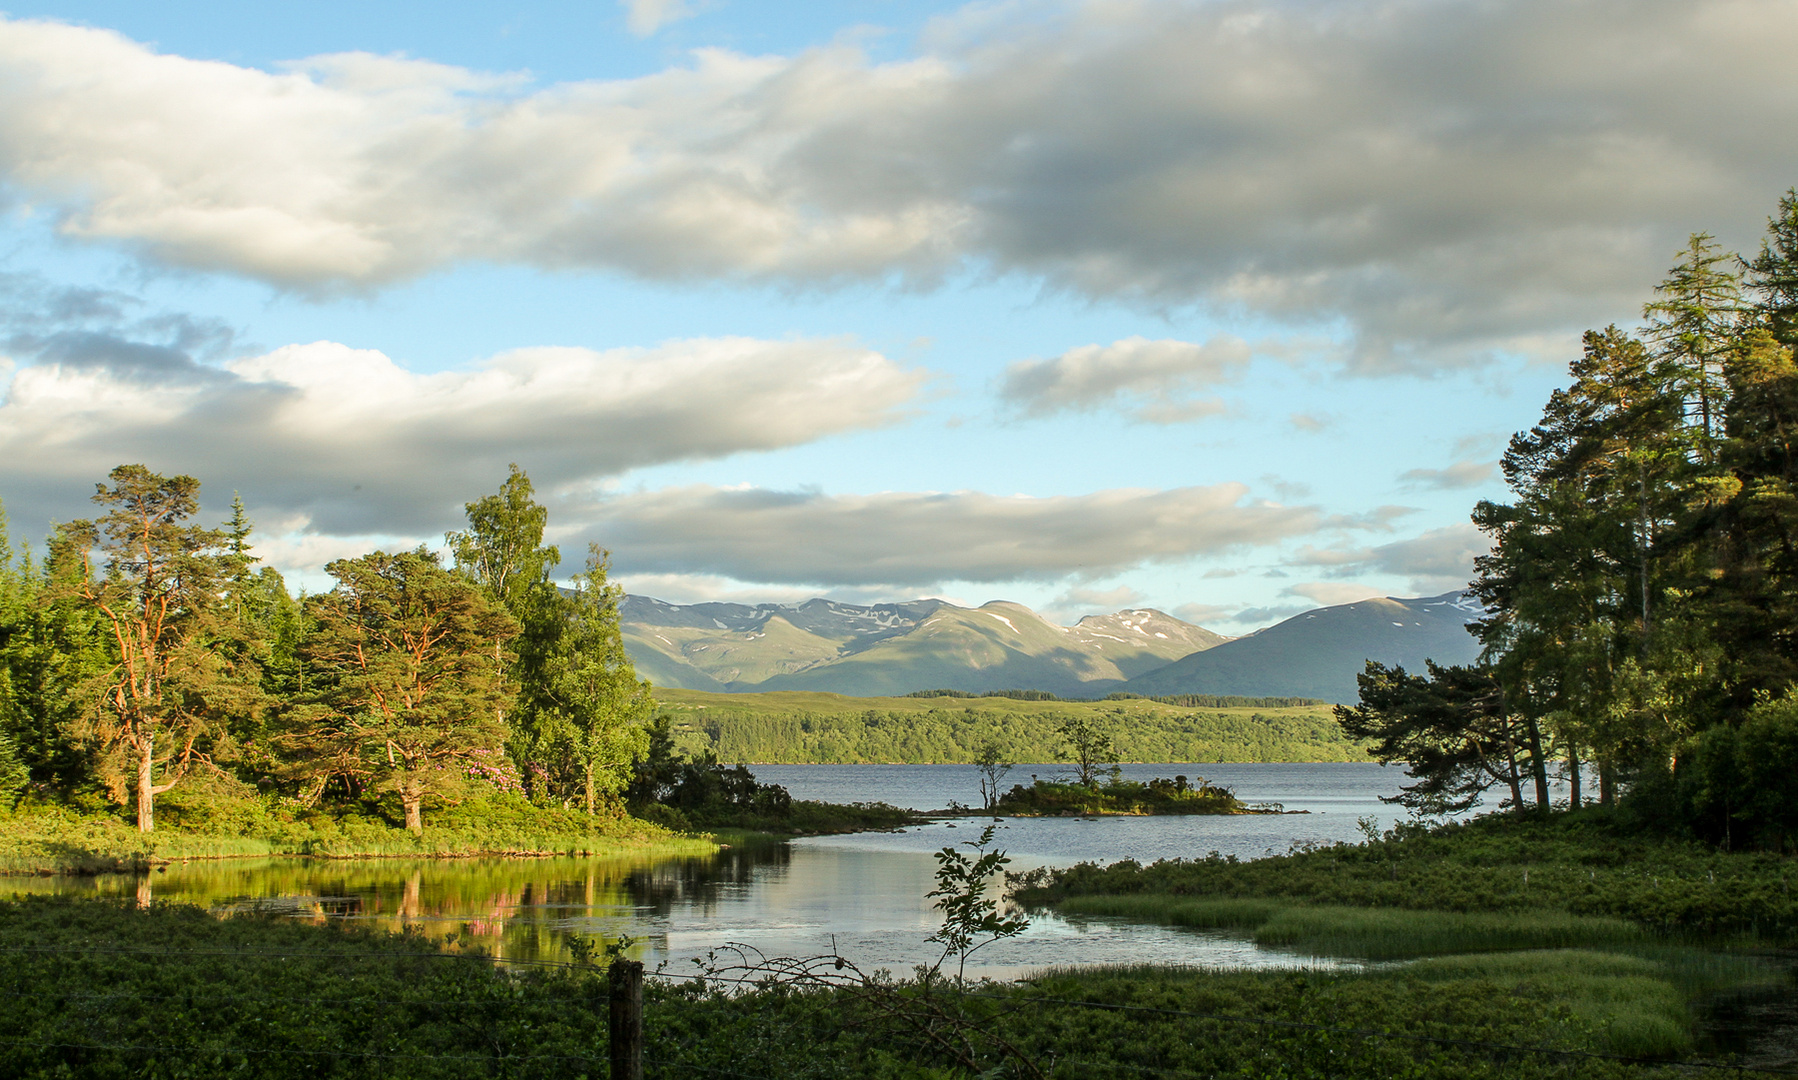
520,909
699,883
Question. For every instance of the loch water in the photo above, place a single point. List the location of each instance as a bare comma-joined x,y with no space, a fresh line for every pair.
862,895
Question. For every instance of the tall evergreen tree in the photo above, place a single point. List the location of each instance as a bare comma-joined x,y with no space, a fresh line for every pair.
165,699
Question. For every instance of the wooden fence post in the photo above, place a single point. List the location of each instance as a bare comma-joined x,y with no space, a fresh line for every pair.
626,1021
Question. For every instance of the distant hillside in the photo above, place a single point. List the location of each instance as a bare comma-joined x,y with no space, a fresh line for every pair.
897,648
811,727
1318,654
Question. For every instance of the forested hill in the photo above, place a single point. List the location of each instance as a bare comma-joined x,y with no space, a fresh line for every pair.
929,644
1319,653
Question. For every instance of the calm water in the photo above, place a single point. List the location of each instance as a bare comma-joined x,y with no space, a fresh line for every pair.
862,894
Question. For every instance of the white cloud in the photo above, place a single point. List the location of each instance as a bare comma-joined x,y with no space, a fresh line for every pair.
1331,593
645,17
1432,562
1461,474
1077,602
360,445
909,539
1443,175
1156,377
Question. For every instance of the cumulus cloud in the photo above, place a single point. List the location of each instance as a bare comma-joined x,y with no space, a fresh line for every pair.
645,17
1077,602
1432,562
1461,474
358,444
1156,378
1431,174
909,539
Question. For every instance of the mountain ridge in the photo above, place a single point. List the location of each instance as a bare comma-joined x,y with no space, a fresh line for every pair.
897,648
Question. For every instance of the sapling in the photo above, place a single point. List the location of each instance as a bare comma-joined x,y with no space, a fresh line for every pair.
971,919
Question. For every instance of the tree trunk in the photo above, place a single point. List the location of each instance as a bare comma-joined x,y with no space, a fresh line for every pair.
1538,763
146,772
415,818
1607,783
1573,764
589,785
1512,775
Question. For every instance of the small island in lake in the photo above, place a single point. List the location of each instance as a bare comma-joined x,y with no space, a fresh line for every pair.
1046,798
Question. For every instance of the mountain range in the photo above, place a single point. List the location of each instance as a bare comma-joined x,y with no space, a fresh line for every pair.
891,649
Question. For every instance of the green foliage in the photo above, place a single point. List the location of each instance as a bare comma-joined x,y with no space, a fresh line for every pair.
410,692
165,699
827,728
165,991
971,918
596,709
1158,796
1449,729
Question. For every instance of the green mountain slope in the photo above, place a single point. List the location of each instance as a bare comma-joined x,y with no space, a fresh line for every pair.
1318,654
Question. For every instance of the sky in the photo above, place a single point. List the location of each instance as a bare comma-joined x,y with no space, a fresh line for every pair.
1225,308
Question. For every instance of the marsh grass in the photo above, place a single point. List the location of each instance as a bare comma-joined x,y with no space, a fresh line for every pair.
1366,933
1590,863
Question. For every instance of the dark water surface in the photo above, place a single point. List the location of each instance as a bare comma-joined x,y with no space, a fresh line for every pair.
861,894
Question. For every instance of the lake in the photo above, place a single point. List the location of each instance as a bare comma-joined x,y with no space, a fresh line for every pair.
862,894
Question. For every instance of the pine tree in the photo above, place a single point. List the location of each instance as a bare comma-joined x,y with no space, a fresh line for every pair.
408,689
165,700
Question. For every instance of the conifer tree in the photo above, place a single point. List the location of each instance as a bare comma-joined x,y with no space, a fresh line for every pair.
409,690
165,698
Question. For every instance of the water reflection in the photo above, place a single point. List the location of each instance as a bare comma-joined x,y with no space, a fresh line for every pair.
799,899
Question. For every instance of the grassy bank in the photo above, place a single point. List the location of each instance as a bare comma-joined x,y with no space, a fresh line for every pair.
170,991
794,727
36,839
1590,863
801,817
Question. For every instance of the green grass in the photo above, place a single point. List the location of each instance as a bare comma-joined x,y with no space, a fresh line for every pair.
60,839
1591,863
1367,933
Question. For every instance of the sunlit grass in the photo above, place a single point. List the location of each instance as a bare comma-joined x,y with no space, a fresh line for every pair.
58,840
1366,933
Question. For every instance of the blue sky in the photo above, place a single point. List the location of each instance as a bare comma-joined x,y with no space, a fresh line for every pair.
1224,308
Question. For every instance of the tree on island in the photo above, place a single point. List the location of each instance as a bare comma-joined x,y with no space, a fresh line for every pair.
409,660
991,763
164,700
1090,748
